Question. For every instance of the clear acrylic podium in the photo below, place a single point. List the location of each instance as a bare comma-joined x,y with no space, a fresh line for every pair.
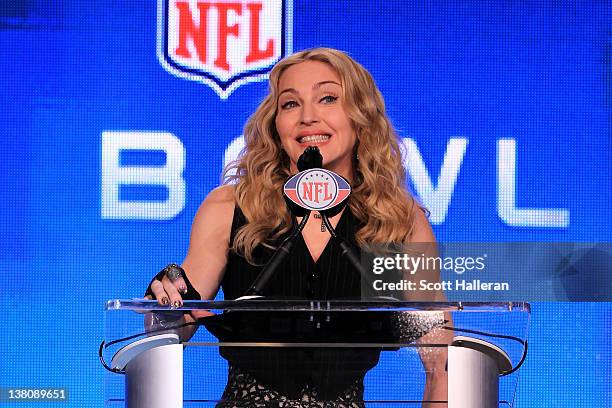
317,343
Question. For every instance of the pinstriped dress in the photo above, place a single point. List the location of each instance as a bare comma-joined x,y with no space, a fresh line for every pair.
297,377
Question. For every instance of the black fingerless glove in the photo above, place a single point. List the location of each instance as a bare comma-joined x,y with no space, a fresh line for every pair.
191,293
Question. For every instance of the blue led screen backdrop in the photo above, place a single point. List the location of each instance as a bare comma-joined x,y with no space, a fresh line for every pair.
503,107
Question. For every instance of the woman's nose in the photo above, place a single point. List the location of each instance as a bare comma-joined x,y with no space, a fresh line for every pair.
309,114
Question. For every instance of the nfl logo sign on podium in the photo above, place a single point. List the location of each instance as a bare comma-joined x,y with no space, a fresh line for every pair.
223,44
317,189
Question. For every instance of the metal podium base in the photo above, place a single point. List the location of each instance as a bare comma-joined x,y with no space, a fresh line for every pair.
153,372
474,366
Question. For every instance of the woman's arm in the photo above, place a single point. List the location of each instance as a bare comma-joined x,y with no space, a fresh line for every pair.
434,358
209,242
206,257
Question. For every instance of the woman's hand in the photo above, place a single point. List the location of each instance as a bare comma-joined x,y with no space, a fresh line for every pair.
169,287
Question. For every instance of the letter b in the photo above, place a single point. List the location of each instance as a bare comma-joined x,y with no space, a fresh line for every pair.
168,175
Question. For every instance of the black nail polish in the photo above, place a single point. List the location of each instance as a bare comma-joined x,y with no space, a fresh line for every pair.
165,300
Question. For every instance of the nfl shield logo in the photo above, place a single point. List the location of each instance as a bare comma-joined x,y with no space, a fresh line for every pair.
223,44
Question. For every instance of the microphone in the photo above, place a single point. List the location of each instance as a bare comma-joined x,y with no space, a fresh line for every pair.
311,158
313,188
318,189
346,250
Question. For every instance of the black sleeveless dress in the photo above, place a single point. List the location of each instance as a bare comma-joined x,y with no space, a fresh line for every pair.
331,277
297,377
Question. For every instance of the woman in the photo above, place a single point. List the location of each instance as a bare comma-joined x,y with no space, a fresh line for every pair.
319,97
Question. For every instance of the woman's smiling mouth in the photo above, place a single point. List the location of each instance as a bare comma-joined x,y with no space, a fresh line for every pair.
319,138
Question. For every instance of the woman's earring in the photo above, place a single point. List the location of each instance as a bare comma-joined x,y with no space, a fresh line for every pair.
356,150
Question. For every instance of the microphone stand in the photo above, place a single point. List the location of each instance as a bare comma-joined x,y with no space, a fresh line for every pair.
309,159
346,250
275,261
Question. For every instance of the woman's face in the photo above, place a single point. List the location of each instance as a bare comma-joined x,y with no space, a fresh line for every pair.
310,112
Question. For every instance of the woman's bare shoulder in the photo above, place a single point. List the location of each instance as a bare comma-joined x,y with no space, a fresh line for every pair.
222,194
422,231
219,202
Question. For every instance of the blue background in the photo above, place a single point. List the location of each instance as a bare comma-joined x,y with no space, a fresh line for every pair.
537,72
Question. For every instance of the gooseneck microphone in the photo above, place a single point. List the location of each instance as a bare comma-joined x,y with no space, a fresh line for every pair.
310,159
346,251
311,189
258,286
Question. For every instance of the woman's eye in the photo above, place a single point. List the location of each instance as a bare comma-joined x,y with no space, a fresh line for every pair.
289,104
329,99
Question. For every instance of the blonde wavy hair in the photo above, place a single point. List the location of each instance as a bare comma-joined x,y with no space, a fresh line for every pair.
379,198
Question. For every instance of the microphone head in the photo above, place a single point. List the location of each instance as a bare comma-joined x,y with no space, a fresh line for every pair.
310,159
328,181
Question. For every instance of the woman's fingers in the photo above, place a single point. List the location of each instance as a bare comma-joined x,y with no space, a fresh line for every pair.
160,293
168,291
180,285
172,290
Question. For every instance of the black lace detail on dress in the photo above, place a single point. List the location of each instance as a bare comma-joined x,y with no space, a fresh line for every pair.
243,390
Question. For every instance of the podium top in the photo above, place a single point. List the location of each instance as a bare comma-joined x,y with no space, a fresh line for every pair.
143,305
290,342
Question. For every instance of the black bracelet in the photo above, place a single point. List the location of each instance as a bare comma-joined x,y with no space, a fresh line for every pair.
191,294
